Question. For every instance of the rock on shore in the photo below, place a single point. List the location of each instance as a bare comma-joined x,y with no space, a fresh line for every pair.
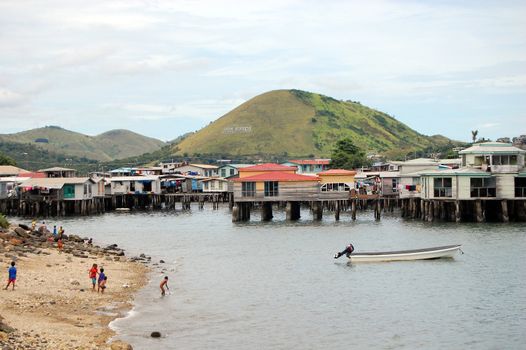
53,306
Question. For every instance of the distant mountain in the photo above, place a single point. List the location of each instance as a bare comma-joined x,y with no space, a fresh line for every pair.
297,123
108,146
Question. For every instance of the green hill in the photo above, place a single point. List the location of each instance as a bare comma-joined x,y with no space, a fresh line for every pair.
31,157
110,145
301,124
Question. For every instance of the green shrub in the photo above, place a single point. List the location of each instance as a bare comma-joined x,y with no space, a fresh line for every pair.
3,221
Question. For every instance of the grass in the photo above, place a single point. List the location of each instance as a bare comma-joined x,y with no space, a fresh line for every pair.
3,222
301,123
111,145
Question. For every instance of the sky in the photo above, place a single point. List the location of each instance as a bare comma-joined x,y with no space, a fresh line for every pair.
164,68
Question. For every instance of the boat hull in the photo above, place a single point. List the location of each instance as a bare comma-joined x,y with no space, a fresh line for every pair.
416,254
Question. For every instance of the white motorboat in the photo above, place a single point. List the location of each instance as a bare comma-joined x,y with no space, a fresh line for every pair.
447,251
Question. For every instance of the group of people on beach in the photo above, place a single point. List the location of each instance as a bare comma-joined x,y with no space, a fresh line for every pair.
57,236
100,282
97,276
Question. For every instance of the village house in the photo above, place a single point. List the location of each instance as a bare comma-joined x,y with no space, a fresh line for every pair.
56,188
276,186
337,180
492,177
9,184
123,172
230,170
169,167
197,169
58,172
489,170
214,185
153,170
9,170
309,166
266,168
121,185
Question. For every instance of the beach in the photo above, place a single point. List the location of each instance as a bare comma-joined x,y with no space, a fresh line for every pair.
53,305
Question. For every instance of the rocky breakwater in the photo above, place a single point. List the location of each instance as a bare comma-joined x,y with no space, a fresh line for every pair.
53,305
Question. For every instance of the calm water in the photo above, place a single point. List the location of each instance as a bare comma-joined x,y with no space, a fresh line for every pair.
276,286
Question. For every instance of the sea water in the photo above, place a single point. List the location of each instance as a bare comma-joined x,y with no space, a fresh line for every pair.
276,285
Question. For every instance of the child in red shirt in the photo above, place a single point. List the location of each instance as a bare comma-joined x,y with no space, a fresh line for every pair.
93,275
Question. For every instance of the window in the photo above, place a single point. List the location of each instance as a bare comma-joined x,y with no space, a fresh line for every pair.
332,187
505,160
520,187
248,189
232,172
132,186
69,191
442,187
223,172
147,186
483,187
394,183
271,189
87,189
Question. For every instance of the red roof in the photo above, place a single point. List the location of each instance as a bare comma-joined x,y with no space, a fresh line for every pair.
277,176
269,167
311,161
338,172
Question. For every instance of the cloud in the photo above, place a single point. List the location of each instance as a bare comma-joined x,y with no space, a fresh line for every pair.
10,99
193,60
488,125
154,64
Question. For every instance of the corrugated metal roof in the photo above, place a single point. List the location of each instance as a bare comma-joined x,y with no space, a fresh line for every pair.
57,168
11,170
237,166
133,178
269,167
338,172
278,176
492,148
311,161
14,179
455,172
203,166
54,182
418,161
215,178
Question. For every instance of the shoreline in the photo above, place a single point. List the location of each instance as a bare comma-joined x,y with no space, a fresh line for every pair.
53,305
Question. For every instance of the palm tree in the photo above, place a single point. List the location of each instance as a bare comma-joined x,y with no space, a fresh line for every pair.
474,134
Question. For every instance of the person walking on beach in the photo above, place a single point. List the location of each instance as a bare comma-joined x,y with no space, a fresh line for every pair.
102,276
93,275
55,230
12,276
60,232
103,284
33,225
60,245
164,283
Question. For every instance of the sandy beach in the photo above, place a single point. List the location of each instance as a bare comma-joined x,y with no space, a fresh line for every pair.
53,305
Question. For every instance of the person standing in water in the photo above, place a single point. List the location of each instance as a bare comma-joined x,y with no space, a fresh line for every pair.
164,283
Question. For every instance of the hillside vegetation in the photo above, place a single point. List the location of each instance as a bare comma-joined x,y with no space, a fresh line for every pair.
30,157
108,146
296,123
